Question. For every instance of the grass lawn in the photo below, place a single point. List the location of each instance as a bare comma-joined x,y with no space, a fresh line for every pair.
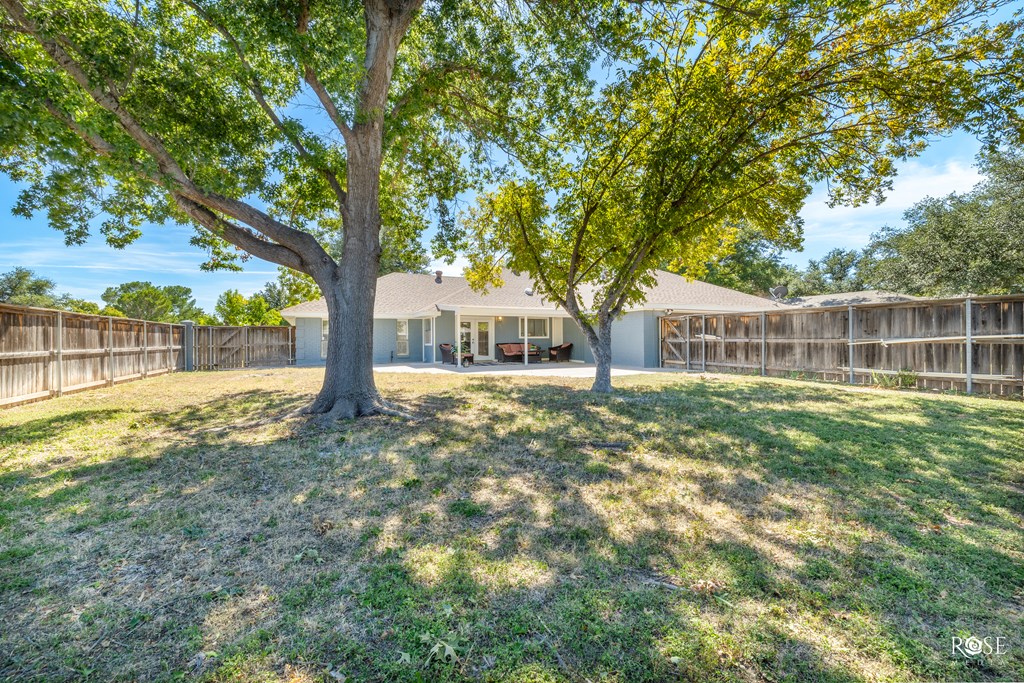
727,529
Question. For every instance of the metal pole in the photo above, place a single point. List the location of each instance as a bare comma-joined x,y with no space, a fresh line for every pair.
703,343
110,348
60,354
849,315
969,344
688,321
764,346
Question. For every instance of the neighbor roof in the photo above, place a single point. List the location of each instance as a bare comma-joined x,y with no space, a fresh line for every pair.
413,294
867,296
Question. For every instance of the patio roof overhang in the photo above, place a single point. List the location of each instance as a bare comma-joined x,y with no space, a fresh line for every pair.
511,311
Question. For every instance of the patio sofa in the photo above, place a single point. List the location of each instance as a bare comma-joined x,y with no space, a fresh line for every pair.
513,352
560,353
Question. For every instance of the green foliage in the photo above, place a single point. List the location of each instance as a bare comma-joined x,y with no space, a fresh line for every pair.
206,100
146,301
959,244
290,288
234,309
840,270
21,287
754,265
725,117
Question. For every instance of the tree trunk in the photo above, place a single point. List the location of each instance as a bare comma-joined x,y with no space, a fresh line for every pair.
601,345
350,288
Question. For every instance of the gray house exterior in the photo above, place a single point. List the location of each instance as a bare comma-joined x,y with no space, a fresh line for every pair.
415,313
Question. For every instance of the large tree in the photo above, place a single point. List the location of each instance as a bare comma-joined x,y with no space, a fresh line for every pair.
22,287
273,125
146,301
724,115
840,270
964,243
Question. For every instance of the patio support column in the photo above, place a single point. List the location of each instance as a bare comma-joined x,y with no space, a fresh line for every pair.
526,340
458,339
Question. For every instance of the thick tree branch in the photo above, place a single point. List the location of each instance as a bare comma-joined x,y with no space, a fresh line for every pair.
242,238
256,89
179,182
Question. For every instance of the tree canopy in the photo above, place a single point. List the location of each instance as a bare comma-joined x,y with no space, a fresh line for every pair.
724,116
233,308
965,243
146,301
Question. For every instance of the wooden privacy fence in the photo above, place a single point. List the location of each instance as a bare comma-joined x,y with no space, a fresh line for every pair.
46,353
973,344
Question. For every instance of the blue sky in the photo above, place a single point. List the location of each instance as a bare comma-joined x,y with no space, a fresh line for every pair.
163,256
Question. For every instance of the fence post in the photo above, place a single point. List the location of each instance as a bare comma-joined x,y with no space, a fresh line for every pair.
188,344
110,348
764,346
969,344
245,347
849,324
60,353
145,349
170,348
703,343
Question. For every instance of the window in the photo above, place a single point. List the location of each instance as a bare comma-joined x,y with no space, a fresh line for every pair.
428,332
402,338
323,338
537,327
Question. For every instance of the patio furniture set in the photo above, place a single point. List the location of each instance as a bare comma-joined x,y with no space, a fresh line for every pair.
509,353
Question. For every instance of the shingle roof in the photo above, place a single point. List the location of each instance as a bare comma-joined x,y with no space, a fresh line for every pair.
410,294
868,296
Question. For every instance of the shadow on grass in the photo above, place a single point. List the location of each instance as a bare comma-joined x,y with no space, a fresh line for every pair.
663,533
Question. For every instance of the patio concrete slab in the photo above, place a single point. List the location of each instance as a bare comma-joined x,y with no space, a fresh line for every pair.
535,370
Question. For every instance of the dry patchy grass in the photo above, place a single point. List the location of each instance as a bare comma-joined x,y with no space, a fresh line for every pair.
721,530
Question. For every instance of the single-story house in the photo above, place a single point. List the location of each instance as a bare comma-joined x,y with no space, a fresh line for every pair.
414,313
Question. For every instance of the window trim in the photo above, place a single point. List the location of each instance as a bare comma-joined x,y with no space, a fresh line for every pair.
324,333
399,340
428,331
547,328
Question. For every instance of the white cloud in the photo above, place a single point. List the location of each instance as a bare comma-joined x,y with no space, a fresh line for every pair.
851,227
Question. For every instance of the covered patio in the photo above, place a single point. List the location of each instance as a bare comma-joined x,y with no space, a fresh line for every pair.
584,370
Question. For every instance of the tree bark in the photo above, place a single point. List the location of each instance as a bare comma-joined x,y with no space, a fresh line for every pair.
600,341
351,287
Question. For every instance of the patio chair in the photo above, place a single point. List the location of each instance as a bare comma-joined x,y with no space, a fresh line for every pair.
447,355
560,353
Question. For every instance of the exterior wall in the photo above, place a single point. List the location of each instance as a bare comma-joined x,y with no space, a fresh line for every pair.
571,332
385,342
308,333
635,340
445,330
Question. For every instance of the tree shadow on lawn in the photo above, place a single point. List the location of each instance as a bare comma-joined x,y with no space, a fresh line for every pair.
695,532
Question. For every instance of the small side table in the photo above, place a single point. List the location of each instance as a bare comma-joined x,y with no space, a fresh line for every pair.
467,359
